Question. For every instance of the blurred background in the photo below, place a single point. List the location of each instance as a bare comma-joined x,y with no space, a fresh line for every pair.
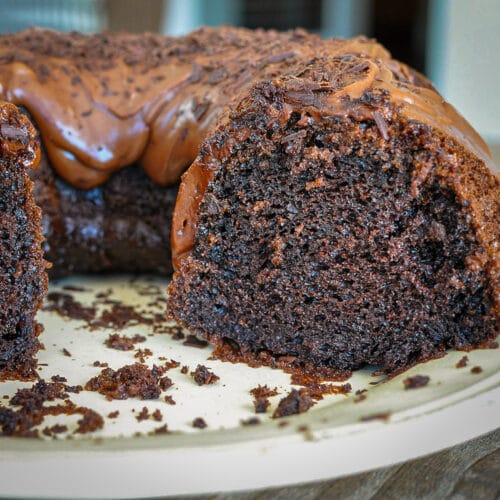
456,43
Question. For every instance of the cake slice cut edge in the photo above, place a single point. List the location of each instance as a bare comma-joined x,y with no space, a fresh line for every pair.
23,280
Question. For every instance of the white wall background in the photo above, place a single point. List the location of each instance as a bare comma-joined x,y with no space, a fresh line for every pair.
464,59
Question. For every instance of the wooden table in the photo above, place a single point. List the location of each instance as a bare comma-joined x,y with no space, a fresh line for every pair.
467,471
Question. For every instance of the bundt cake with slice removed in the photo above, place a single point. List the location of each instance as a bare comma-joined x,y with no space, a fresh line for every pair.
339,215
23,281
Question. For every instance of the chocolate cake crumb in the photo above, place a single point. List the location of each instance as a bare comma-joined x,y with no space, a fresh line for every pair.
66,352
263,391
169,400
55,429
476,370
193,341
184,369
76,389
142,354
293,404
58,378
21,422
261,394
119,317
66,306
157,415
377,416
123,343
170,364
100,364
199,423
91,421
161,430
113,414
250,421
317,391
143,415
463,362
261,404
416,381
165,383
360,395
134,380
203,376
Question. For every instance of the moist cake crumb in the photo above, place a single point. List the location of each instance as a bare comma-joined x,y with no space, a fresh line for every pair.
143,415
360,395
55,429
142,354
22,422
129,381
160,430
416,381
250,421
91,421
294,403
66,306
157,415
261,404
462,363
263,391
476,370
170,364
199,423
123,343
203,376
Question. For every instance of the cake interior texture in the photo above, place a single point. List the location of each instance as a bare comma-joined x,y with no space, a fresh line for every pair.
23,280
336,241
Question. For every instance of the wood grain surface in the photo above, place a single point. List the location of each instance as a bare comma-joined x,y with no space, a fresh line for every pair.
468,471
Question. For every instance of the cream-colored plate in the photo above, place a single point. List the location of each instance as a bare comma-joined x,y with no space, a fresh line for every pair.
333,438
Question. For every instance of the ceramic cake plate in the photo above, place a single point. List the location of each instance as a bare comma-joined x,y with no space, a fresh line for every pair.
341,434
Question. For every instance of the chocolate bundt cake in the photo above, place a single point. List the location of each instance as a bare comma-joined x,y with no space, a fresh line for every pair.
337,212
23,281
